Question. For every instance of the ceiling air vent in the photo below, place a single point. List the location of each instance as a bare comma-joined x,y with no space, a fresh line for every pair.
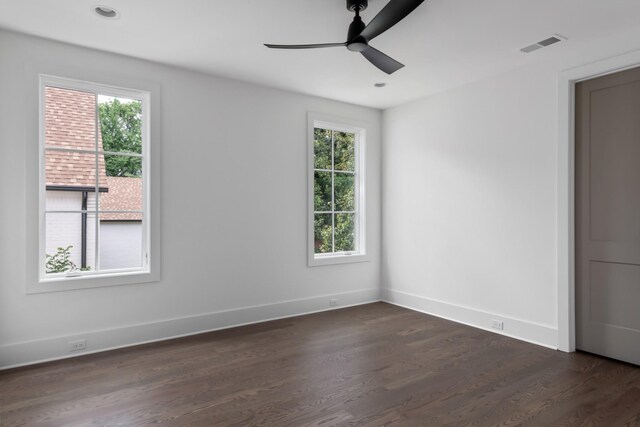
543,43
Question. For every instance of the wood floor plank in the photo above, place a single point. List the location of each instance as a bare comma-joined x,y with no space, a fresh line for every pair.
372,365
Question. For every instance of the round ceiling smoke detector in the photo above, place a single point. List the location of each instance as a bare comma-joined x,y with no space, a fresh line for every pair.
380,84
105,12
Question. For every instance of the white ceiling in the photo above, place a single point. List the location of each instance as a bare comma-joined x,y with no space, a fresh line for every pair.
443,43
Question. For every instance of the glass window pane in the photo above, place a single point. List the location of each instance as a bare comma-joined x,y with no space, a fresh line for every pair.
322,191
120,241
122,193
69,242
70,179
345,232
126,166
120,124
322,234
344,151
345,191
70,118
321,148
71,170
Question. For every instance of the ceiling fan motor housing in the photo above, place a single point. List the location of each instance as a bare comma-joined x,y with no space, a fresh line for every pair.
359,4
356,42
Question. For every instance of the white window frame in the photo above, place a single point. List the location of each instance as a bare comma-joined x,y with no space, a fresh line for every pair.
91,279
316,120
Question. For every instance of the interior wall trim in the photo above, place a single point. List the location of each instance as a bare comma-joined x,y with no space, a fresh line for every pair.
48,349
565,191
535,333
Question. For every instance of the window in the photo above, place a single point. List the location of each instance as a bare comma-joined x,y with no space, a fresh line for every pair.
336,188
94,186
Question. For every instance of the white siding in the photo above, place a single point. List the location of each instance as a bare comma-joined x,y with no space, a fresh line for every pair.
65,229
120,244
64,200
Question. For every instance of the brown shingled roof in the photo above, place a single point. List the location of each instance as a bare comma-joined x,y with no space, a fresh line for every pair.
70,117
125,194
70,123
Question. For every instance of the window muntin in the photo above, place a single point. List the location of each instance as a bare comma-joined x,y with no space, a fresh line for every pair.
337,193
93,186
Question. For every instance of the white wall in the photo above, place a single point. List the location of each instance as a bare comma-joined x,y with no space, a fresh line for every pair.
469,197
233,204
470,207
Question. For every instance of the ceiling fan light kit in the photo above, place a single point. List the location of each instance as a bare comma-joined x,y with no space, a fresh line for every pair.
360,34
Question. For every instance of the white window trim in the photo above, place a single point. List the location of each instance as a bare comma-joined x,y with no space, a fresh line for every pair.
37,280
340,125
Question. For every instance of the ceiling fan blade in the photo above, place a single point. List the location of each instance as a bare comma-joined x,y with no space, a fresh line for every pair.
382,61
394,12
303,46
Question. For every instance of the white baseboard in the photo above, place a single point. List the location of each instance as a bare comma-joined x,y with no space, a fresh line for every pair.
30,352
534,333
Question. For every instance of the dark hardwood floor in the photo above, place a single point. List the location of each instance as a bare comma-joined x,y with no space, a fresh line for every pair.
373,365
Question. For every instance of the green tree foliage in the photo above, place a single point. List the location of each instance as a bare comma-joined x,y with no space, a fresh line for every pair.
323,234
121,127
334,154
322,148
322,191
344,151
344,191
345,232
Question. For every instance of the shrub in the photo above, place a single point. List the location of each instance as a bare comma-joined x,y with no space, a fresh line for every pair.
60,262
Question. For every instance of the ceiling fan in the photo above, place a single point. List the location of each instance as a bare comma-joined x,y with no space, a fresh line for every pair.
359,34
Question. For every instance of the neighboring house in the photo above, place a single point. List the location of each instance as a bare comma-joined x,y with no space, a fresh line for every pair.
121,233
71,186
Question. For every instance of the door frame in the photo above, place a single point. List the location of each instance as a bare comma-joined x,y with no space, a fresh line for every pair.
566,187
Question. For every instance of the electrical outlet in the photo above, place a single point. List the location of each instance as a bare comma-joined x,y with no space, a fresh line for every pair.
497,324
77,345
333,302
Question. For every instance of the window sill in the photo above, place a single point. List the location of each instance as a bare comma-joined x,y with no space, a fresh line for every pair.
62,283
337,259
